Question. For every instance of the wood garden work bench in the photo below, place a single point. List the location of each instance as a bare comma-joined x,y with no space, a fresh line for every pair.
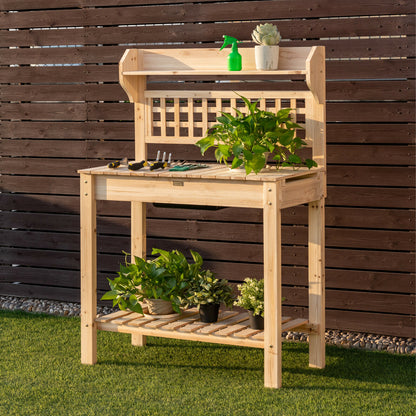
183,116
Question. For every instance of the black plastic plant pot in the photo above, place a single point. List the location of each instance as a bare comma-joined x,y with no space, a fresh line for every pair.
256,321
209,312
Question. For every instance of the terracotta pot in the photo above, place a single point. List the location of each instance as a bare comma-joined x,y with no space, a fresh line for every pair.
209,312
256,321
159,307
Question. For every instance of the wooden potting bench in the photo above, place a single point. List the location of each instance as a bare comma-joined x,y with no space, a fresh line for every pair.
183,116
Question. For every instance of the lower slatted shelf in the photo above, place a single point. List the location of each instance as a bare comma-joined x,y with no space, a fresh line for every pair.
232,327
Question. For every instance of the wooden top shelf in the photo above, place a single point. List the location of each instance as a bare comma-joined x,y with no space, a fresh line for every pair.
213,72
138,63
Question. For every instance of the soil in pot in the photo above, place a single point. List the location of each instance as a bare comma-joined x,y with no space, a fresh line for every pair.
256,321
209,312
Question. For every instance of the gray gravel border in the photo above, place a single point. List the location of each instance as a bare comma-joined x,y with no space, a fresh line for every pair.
344,339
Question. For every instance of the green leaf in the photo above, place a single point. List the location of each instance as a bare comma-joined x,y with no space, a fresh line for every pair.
268,124
205,143
247,155
197,258
124,269
136,308
237,149
246,101
236,163
283,114
163,253
310,163
225,150
277,157
253,107
286,138
259,149
218,155
273,135
258,163
294,159
271,147
225,118
248,168
111,294
238,112
298,143
292,125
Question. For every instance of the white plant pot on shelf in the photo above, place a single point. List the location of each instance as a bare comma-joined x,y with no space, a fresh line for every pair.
267,57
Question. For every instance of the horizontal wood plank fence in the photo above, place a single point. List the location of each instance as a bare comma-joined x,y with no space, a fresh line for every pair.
62,109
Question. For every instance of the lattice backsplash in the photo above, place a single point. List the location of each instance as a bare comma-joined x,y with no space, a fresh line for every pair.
187,119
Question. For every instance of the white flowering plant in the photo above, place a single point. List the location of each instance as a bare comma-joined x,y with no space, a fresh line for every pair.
251,296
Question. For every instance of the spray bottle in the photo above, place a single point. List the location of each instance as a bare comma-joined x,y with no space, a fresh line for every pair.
234,58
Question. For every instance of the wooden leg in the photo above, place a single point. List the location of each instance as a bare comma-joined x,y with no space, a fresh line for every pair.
88,271
138,340
138,248
317,282
272,286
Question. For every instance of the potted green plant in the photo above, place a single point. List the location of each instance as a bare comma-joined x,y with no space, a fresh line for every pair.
207,293
249,138
162,283
266,51
252,298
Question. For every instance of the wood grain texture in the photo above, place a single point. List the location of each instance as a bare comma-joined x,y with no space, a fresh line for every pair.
88,261
272,258
200,12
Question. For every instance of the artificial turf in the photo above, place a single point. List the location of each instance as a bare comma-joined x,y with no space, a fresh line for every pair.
41,374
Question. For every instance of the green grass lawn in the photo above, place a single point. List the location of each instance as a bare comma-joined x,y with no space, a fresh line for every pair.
41,374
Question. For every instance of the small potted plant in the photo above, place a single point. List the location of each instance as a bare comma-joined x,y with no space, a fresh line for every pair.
252,298
207,293
162,283
266,51
249,138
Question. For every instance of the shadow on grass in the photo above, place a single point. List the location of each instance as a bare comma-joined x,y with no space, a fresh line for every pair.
360,365
344,364
172,353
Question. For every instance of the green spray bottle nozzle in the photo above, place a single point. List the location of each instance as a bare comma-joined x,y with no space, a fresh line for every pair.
234,58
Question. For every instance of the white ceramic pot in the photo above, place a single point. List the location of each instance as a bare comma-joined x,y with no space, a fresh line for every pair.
267,57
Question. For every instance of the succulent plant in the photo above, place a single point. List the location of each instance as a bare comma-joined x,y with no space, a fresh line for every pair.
266,34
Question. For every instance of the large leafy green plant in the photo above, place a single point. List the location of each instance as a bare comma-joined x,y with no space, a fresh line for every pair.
167,277
207,289
249,138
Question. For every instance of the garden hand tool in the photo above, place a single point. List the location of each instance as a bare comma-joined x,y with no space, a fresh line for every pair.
137,165
161,165
187,166
117,163
156,160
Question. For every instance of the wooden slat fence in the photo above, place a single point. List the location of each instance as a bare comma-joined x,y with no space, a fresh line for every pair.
61,109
